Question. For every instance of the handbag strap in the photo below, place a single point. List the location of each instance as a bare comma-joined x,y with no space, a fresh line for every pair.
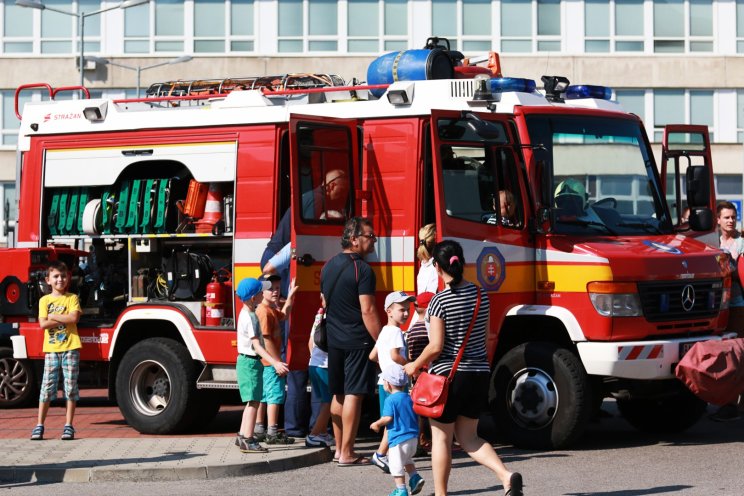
467,335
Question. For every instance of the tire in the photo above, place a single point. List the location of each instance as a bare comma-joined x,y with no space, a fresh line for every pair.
541,396
666,415
156,387
18,386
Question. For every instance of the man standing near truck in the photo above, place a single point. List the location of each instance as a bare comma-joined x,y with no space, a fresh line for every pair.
347,284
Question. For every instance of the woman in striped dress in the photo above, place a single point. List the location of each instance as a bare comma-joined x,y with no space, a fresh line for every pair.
450,313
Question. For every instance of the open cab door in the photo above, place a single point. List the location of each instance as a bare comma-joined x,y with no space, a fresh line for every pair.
481,201
324,177
687,179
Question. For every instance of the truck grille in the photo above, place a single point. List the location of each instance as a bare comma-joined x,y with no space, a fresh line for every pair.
680,300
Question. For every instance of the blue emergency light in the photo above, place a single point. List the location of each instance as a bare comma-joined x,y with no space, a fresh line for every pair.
503,85
576,92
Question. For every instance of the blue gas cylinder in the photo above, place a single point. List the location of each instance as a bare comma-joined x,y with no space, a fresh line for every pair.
409,65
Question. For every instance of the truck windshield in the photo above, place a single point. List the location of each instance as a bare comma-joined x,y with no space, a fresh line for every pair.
603,177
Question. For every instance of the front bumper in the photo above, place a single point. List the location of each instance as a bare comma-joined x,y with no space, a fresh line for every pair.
648,360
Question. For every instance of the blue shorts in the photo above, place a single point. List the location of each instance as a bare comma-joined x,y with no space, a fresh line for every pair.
250,378
319,383
69,362
274,387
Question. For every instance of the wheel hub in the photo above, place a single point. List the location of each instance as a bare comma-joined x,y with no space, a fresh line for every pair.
532,398
149,387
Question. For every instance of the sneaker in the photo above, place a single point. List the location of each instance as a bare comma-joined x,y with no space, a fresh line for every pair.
381,461
727,413
279,438
250,445
38,433
238,437
399,492
68,433
323,440
416,483
260,436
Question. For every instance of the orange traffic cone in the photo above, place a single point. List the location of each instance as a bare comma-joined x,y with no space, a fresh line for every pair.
212,210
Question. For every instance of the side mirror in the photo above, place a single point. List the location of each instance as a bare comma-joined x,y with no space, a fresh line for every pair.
544,221
701,219
698,186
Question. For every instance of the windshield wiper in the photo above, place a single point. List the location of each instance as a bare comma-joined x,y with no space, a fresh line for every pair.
587,223
645,225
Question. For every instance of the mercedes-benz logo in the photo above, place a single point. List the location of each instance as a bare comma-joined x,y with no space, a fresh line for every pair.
688,297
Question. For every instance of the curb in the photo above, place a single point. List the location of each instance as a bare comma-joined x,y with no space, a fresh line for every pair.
266,464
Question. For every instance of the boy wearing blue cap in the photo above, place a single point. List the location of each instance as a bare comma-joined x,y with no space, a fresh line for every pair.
249,367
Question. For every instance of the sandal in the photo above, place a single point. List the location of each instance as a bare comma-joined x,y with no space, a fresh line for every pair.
357,462
38,433
68,433
515,485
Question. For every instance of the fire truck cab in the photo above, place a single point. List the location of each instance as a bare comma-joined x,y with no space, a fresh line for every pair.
554,195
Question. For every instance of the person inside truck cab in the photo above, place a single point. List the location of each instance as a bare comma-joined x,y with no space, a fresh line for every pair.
506,208
329,200
571,198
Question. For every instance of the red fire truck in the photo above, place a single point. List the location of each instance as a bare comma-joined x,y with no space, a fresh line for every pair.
596,290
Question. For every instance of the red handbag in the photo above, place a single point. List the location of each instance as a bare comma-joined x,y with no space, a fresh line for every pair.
429,394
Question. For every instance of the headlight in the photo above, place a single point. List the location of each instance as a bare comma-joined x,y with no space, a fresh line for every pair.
615,299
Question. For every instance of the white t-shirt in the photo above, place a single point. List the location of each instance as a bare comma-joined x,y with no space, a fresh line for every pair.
427,280
248,328
318,357
390,338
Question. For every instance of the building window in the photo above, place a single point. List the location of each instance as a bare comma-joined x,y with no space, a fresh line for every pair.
309,26
683,25
374,26
8,210
218,27
169,29
740,116
11,124
683,107
740,26
516,26
615,25
18,28
137,29
633,101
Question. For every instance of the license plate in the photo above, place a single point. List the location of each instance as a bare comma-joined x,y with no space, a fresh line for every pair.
684,348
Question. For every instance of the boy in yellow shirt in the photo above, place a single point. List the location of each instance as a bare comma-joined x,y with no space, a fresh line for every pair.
59,313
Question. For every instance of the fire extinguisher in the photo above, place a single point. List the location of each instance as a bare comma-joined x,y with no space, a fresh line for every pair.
215,302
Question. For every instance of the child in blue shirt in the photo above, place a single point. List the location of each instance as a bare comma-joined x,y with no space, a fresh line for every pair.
402,430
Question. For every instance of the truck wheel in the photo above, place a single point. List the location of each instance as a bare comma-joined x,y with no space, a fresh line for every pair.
665,415
18,385
541,396
156,386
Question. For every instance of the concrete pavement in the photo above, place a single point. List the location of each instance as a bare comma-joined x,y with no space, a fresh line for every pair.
146,459
107,449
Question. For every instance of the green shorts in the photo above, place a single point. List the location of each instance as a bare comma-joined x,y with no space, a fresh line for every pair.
250,378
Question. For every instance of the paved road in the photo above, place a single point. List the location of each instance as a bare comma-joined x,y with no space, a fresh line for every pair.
612,460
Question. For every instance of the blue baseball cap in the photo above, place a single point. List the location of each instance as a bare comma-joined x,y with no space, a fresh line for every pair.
250,287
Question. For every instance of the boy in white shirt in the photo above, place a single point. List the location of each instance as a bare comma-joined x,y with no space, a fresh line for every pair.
389,350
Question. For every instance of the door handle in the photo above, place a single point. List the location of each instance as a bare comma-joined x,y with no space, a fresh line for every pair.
307,260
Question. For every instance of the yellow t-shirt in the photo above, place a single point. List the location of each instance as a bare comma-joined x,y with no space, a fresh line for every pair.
64,337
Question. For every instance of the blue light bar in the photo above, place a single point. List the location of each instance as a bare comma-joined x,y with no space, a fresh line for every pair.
502,85
576,92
